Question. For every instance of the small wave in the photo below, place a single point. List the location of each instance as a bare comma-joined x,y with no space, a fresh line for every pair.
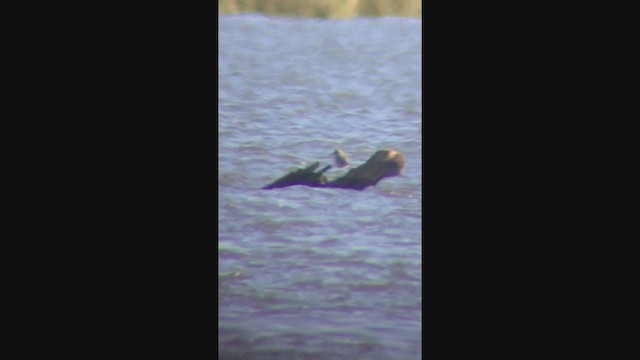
225,252
372,286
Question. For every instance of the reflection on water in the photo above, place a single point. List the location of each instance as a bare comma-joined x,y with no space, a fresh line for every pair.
310,273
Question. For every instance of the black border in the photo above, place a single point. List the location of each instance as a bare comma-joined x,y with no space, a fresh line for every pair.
129,232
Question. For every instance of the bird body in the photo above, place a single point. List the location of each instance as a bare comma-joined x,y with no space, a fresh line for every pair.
340,158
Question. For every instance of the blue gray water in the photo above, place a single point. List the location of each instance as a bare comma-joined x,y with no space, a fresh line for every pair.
307,273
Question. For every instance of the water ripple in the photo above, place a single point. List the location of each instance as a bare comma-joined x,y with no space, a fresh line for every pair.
315,273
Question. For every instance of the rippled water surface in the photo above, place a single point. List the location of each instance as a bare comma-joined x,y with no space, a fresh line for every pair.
308,273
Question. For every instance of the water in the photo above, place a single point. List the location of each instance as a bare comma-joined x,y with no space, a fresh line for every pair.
309,273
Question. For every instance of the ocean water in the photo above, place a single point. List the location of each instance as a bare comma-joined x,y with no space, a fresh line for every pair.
309,273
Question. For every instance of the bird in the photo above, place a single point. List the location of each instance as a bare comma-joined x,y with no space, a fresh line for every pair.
341,159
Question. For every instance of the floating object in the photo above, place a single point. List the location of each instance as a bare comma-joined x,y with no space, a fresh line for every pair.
383,164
